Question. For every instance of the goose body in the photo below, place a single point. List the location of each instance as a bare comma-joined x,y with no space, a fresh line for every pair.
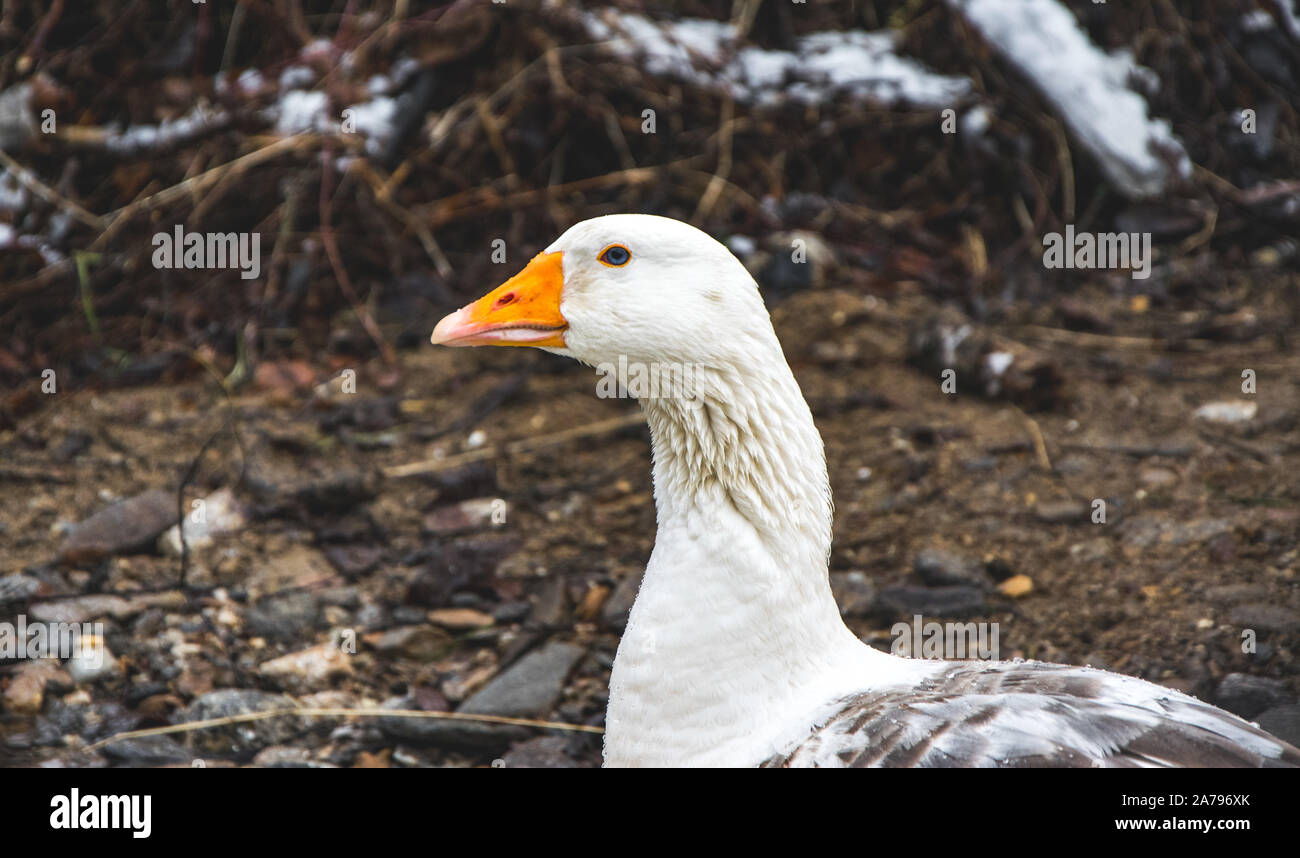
735,653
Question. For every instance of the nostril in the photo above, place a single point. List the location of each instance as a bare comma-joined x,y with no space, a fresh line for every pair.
507,298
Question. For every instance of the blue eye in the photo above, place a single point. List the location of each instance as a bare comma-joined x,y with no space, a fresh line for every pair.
616,255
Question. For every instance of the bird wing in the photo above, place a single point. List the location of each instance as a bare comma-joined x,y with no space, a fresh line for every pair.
1030,714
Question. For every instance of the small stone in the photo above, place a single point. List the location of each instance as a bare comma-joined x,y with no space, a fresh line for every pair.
544,752
1016,586
462,517
1283,722
1265,617
122,528
309,669
615,612
92,661
1247,696
937,568
285,616
221,514
1232,411
285,757
26,692
418,643
242,739
1061,512
460,619
353,561
147,751
905,602
1158,478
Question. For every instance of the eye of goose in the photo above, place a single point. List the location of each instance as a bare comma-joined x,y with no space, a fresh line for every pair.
615,256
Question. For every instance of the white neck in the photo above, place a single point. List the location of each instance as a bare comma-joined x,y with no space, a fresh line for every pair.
735,639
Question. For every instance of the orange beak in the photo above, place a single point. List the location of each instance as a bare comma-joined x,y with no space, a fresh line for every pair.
523,311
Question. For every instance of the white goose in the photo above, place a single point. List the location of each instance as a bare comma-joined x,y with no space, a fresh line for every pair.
735,653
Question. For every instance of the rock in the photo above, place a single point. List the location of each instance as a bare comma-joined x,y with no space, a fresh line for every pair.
544,752
905,602
92,661
619,605
221,514
285,616
460,619
938,568
449,568
122,528
551,610
278,757
1062,512
1231,594
1264,617
465,516
1232,411
1283,722
1146,532
1016,586
300,566
353,561
1247,696
418,643
854,592
1158,478
147,751
16,587
26,692
85,608
527,689
308,670
243,739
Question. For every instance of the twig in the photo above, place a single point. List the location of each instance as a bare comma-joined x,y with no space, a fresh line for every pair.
246,717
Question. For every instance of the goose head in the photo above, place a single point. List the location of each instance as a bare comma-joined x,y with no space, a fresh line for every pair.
626,286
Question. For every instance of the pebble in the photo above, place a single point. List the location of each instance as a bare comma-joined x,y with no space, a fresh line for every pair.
904,602
25,694
1016,586
310,669
618,606
222,514
1062,512
244,739
938,568
1283,722
1232,411
122,528
285,616
1265,617
463,517
147,751
460,619
419,643
1247,696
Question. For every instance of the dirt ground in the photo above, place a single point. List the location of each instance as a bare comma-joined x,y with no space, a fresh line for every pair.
1201,540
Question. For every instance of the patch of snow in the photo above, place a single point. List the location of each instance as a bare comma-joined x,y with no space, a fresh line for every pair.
374,119
856,63
296,77
297,112
1086,87
1238,411
141,138
13,196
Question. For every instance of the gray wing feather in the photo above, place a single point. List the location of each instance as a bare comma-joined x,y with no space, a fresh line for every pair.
1029,714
